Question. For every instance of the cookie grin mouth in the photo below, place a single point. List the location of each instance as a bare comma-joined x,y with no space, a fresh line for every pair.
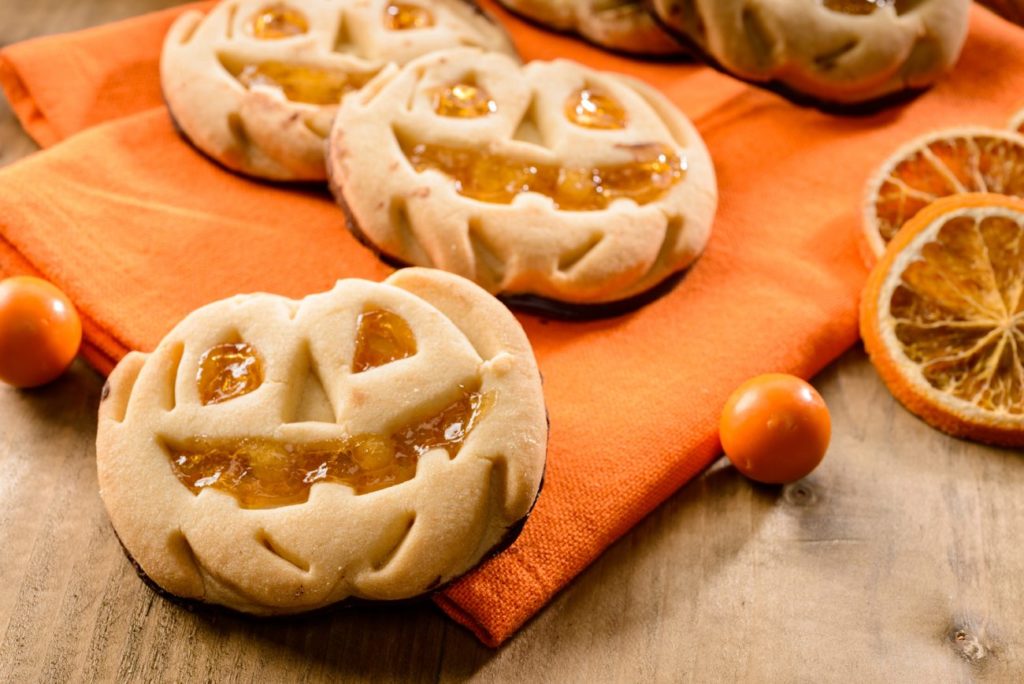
498,178
262,472
302,83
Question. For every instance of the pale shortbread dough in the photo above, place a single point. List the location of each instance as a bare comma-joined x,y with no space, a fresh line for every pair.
814,48
393,543
257,130
528,246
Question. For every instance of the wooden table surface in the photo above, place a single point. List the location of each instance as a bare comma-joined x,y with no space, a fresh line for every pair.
899,559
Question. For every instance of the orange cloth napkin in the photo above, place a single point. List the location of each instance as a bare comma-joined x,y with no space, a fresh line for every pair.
139,229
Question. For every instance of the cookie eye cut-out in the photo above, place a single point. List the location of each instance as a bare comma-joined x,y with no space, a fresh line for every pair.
464,101
266,473
277,21
498,179
592,108
228,371
856,6
381,337
298,83
403,16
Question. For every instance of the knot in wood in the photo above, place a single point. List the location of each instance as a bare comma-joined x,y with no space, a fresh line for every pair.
967,645
800,494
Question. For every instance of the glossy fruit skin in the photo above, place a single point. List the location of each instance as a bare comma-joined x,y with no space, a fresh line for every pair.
775,428
40,331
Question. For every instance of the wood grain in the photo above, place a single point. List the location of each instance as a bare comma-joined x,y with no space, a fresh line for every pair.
900,559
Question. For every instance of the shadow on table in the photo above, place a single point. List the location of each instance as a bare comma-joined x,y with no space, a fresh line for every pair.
638,575
71,399
413,641
393,642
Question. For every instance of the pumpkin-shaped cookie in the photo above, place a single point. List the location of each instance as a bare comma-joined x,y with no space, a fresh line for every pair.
843,51
255,83
549,179
276,456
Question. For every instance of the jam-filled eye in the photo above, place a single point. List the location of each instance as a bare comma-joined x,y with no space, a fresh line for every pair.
591,108
278,21
228,371
402,16
464,101
382,337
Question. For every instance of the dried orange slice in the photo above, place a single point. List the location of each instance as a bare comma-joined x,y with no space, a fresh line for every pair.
940,164
942,317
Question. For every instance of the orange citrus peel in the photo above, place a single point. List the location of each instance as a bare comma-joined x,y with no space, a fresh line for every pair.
942,163
942,317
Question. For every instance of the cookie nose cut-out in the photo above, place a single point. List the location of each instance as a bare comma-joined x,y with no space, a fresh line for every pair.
274,22
382,337
498,179
403,16
464,101
228,371
856,6
593,109
267,473
298,83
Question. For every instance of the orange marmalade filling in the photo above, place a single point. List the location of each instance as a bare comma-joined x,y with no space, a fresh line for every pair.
464,101
228,371
278,21
402,16
856,6
498,179
299,83
382,337
593,109
264,473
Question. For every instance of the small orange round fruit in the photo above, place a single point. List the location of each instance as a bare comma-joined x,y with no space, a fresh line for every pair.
775,428
39,331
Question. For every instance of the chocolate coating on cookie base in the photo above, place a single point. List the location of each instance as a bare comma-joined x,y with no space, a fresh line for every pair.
313,187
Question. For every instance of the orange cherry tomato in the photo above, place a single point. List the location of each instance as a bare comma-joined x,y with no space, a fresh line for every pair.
39,331
775,428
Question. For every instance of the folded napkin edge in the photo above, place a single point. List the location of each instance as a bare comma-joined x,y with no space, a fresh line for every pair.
24,104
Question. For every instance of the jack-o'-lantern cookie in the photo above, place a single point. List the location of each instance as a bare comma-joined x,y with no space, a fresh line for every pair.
549,179
842,51
255,83
374,441
621,25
